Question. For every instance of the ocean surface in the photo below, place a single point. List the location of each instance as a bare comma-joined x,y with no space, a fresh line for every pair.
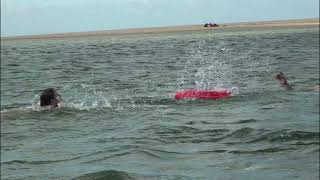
120,119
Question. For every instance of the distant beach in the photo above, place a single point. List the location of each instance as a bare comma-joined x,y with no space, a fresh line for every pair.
170,29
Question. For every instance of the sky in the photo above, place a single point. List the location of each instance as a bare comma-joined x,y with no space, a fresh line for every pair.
31,17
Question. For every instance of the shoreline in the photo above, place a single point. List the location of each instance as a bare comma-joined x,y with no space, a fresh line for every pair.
171,29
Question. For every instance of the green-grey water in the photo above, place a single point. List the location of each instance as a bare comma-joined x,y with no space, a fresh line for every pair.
120,119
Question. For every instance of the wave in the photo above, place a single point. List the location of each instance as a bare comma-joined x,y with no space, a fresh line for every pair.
250,135
185,134
38,162
244,121
129,150
254,151
107,174
285,135
222,146
123,175
262,151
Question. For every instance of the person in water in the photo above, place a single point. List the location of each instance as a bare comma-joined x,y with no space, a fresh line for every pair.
50,98
283,81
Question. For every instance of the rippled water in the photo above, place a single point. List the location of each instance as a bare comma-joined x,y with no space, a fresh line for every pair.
120,119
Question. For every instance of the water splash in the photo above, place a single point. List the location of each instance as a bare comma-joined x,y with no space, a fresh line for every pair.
35,103
207,68
234,90
88,98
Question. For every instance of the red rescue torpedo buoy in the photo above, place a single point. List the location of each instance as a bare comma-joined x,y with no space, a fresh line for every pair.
202,94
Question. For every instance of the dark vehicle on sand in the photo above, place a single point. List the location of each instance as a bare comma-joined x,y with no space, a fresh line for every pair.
210,25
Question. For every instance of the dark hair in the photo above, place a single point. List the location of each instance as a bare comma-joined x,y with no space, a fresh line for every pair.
282,79
47,95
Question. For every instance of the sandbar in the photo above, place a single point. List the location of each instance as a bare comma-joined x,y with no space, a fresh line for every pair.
183,28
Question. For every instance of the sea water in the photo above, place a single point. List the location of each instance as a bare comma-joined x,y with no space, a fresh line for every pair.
119,118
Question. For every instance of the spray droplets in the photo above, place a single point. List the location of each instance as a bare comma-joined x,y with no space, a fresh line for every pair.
207,67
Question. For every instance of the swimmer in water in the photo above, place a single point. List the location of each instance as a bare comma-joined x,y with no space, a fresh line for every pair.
283,81
50,98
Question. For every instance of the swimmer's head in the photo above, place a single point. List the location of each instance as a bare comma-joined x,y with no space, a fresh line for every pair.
281,78
50,97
